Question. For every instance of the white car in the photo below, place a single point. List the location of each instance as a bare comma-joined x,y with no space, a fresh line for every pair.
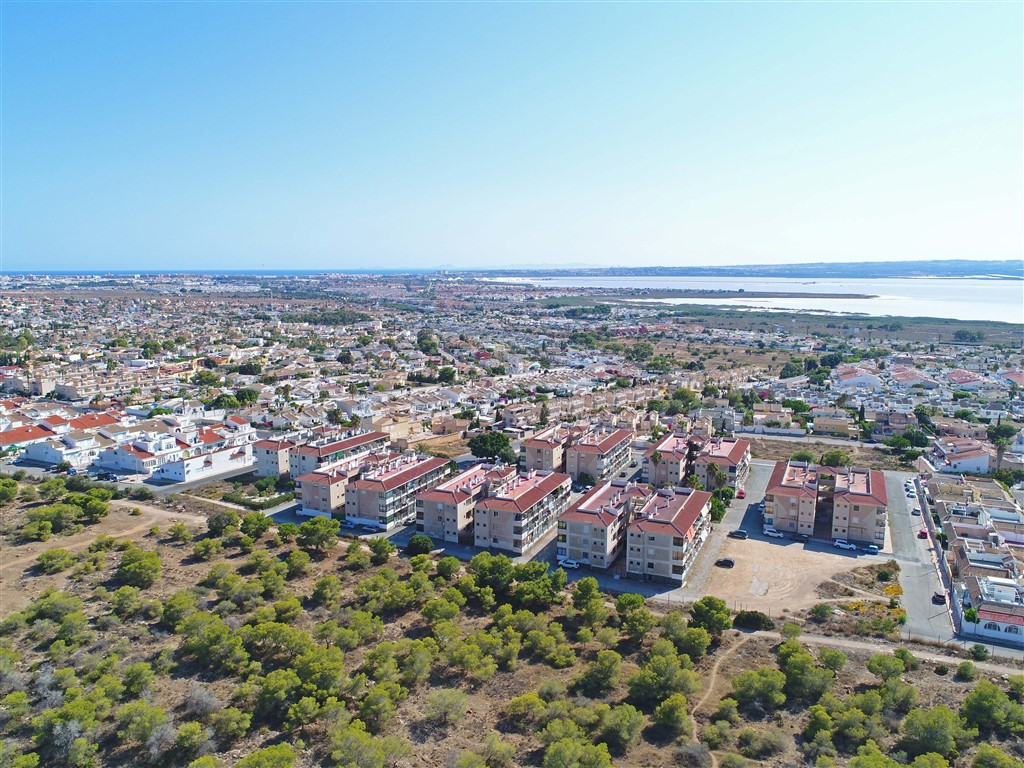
844,544
570,564
911,494
774,534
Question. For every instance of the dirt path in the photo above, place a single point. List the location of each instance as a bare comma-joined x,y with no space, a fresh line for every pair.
713,678
878,646
119,524
858,590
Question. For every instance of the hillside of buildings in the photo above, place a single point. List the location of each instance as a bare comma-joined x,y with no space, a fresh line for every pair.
172,639
372,530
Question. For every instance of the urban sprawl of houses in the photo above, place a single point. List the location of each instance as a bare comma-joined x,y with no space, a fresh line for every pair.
610,442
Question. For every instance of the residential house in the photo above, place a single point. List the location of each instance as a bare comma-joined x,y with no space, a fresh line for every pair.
959,455
834,422
999,607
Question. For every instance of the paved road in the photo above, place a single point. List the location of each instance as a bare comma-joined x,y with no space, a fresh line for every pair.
129,482
918,575
803,439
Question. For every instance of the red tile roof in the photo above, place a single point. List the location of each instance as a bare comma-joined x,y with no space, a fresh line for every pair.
724,451
453,490
672,513
603,504
991,614
274,445
28,434
93,421
604,442
671,444
401,475
525,492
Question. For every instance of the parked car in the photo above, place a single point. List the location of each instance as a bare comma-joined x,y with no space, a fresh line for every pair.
369,529
871,549
773,534
109,476
939,598
844,544
911,494
741,494
923,533
803,538
915,511
72,471
725,562
567,563
346,523
739,533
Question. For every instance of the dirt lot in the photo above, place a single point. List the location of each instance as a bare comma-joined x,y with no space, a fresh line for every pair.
873,457
448,446
772,576
726,357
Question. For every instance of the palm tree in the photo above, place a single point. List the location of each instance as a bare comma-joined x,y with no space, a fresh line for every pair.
717,477
1001,444
655,460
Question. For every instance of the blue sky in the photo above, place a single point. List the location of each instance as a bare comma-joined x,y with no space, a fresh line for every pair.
330,135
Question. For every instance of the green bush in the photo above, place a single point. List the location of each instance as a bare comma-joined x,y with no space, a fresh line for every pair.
753,620
207,549
419,544
978,652
55,560
966,671
257,505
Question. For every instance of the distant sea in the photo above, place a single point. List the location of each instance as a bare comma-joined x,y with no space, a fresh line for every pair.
1001,300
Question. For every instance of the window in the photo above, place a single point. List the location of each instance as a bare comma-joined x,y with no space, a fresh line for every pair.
1013,630
650,538
992,626
650,566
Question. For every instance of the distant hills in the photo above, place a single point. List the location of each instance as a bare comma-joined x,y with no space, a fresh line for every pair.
1012,269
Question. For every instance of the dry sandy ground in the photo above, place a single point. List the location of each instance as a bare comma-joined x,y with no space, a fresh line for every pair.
16,591
772,576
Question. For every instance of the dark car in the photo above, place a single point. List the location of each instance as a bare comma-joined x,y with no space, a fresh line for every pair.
939,598
725,562
739,533
803,538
